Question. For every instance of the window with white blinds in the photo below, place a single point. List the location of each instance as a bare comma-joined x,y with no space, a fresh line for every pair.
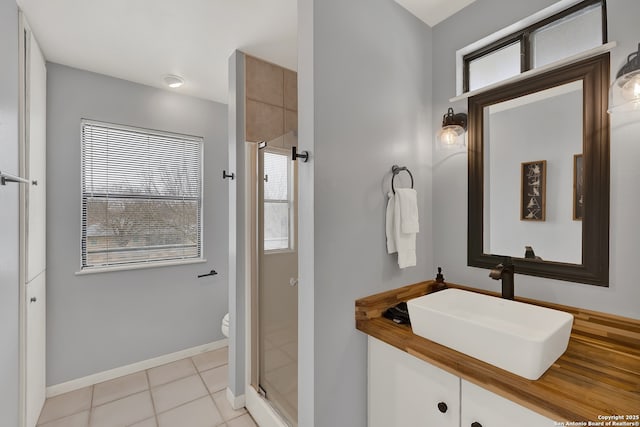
141,196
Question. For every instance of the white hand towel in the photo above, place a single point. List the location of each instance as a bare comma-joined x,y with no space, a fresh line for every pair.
405,242
408,210
389,226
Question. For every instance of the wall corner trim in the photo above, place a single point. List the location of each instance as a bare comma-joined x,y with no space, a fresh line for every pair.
236,402
99,377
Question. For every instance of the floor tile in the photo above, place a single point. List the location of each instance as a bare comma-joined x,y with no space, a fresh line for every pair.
243,421
66,404
176,393
149,422
78,420
123,412
211,359
119,388
171,372
225,408
199,413
216,379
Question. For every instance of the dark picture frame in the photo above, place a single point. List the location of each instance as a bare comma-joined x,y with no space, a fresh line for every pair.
533,191
578,187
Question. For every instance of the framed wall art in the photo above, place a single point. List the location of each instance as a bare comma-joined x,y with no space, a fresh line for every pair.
533,193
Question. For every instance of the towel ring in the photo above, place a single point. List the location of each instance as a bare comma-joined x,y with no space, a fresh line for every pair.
395,169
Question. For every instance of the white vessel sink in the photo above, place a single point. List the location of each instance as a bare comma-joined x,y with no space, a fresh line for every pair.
520,338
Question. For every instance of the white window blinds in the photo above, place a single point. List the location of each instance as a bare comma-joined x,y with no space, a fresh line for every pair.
141,196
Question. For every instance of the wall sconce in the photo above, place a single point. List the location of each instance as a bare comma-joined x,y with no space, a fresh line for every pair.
624,94
453,125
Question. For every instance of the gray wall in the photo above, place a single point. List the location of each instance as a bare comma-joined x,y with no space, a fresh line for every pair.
370,109
450,178
237,218
101,321
9,341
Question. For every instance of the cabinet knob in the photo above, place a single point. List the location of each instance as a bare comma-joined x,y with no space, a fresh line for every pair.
476,424
442,407
33,299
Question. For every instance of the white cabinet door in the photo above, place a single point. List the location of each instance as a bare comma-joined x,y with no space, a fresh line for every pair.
35,349
35,165
33,234
405,391
490,410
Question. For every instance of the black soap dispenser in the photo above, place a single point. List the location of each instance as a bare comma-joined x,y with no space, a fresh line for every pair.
439,284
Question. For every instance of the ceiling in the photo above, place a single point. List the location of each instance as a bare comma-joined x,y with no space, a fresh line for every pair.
434,11
144,40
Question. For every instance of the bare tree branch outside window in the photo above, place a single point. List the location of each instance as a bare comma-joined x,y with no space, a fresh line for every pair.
135,215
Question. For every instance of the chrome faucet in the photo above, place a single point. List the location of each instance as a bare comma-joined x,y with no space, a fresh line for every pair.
504,271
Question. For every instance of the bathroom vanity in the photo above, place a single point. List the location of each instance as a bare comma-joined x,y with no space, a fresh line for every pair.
414,381
407,391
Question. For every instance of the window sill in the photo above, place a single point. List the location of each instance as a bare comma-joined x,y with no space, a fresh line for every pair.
95,270
279,251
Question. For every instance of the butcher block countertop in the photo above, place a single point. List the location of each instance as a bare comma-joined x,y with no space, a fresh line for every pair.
598,375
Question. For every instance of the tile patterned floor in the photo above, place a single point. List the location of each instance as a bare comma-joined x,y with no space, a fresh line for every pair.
188,393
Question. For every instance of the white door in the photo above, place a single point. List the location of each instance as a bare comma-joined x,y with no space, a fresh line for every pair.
33,222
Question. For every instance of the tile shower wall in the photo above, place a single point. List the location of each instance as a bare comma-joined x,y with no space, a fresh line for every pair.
272,103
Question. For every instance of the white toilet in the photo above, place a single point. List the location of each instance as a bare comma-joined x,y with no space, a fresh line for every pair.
225,325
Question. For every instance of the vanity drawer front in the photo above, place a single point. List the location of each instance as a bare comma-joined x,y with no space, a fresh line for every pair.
405,391
490,410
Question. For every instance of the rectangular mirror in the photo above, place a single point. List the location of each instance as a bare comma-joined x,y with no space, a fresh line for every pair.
533,209
539,174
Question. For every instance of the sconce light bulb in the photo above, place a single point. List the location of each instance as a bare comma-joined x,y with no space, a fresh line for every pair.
631,89
448,137
636,90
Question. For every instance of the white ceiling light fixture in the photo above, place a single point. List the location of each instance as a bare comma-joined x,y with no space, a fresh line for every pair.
173,81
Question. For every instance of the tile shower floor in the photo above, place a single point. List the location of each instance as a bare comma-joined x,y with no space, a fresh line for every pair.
188,393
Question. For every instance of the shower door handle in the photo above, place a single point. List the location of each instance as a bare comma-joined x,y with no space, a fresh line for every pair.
293,282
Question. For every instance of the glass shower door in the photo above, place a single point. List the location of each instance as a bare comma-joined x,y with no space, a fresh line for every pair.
277,282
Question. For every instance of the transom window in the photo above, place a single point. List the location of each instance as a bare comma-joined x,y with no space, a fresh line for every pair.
141,196
581,27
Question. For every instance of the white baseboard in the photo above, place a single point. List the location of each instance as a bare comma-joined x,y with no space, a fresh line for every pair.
236,402
99,377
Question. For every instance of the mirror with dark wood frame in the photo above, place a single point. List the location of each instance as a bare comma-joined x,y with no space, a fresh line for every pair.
591,266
